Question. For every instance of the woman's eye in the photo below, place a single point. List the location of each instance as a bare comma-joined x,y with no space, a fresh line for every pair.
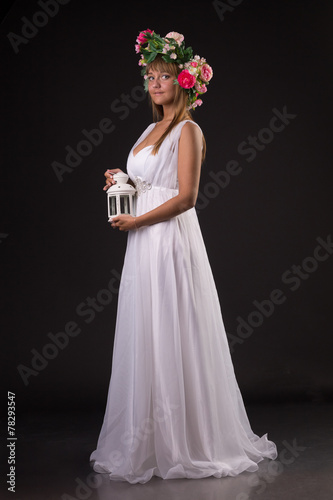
164,77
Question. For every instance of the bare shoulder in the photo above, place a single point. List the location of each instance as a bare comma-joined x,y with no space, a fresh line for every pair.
191,134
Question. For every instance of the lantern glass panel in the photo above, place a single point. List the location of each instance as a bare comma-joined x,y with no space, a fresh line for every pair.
124,204
113,205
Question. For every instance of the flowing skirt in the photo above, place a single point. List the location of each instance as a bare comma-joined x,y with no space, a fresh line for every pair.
174,407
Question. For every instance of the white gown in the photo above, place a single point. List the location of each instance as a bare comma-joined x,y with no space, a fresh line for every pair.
174,408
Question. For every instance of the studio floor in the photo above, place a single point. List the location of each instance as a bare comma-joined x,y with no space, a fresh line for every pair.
53,460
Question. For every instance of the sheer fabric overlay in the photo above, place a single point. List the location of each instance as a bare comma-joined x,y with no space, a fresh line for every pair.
174,408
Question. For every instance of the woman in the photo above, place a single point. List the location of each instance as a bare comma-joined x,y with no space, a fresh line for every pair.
174,408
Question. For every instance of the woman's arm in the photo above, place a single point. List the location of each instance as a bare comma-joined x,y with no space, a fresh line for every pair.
189,166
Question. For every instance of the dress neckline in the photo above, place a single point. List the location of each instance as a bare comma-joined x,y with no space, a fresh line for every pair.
137,145
151,145
136,154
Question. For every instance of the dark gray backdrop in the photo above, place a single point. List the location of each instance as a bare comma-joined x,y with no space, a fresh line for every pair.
265,195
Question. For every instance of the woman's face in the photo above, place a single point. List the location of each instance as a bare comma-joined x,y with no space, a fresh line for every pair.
161,88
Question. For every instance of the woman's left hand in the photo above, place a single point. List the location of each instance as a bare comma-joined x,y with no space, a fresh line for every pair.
123,222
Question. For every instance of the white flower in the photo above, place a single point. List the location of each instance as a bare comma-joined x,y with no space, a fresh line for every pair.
173,55
192,70
197,58
176,36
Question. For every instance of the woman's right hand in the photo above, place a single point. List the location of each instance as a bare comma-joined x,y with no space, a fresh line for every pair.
109,177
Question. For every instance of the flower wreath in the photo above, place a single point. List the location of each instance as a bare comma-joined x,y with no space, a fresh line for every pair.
195,74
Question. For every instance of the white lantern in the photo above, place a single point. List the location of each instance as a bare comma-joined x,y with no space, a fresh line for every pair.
121,197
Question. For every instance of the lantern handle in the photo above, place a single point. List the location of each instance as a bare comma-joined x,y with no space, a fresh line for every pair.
120,178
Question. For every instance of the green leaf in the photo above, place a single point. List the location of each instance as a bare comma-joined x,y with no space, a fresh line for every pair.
151,57
145,53
159,38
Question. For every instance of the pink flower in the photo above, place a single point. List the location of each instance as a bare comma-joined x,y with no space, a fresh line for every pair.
142,36
194,64
137,48
196,103
185,79
200,88
176,36
206,72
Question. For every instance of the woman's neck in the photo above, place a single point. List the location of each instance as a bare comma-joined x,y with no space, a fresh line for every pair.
168,113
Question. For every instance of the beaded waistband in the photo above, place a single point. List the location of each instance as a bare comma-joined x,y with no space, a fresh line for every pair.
141,186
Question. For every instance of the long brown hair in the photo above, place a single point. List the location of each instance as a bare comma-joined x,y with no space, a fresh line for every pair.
182,113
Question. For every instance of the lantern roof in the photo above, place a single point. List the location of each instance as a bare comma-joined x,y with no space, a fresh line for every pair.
121,187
